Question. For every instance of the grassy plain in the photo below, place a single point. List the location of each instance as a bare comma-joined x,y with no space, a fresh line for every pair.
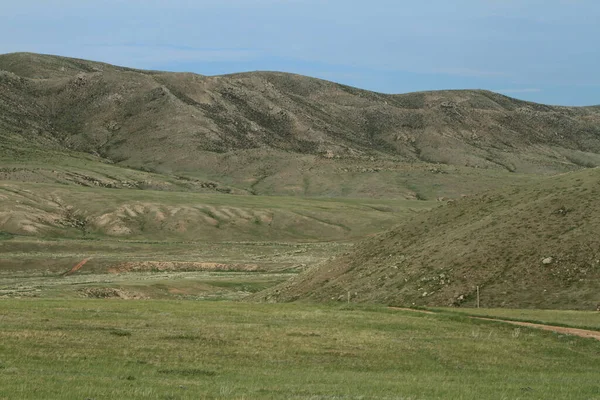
95,349
34,267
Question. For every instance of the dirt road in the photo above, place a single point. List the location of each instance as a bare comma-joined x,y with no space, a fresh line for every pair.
584,333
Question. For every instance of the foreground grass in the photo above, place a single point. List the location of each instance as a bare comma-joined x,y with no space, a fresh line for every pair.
103,349
578,319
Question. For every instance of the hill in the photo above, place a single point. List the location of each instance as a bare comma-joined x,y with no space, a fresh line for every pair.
277,133
126,165
53,211
526,247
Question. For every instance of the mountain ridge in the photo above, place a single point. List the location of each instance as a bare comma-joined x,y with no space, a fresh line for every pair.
270,127
258,72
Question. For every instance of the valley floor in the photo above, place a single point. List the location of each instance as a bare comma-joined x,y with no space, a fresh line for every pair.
82,348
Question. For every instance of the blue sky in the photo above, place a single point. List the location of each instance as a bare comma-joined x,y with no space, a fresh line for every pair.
545,51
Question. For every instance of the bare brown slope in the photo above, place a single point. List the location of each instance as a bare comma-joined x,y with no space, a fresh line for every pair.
182,122
535,247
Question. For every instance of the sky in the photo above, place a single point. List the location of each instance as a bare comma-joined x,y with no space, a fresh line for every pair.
539,50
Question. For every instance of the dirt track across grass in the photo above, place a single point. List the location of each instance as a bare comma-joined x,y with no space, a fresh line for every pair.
584,333
412,309
77,267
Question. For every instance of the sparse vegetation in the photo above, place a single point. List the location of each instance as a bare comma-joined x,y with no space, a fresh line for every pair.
228,129
524,247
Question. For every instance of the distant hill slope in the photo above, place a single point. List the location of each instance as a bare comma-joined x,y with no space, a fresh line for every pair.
256,130
536,246
60,211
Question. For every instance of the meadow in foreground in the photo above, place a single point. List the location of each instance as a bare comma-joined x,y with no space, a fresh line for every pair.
115,349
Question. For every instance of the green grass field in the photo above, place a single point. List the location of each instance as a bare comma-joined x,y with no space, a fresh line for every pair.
103,349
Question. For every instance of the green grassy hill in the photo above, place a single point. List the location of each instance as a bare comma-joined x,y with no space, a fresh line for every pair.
535,246
44,210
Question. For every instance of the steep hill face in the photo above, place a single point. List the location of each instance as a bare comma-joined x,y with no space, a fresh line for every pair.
186,122
536,246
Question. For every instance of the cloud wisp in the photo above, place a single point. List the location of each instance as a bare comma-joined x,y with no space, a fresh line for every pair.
524,90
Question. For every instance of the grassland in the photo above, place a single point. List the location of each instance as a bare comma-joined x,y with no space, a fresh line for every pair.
256,172
77,349
37,267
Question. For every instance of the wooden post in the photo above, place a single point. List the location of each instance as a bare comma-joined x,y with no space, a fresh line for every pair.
477,296
348,297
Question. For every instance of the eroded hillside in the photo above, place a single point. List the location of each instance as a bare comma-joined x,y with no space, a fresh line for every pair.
267,132
526,247
97,213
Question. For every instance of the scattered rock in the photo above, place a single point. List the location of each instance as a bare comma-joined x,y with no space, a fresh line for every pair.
110,293
563,211
329,154
113,126
161,266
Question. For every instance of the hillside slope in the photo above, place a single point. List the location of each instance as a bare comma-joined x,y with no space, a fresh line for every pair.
254,131
51,211
536,246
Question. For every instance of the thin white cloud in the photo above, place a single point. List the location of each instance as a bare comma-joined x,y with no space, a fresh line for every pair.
469,72
146,56
526,90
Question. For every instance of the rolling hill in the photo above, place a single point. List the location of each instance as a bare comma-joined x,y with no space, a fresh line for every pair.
534,246
97,159
277,133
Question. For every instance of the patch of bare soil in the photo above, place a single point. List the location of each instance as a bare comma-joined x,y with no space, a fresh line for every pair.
111,293
412,309
160,266
76,268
